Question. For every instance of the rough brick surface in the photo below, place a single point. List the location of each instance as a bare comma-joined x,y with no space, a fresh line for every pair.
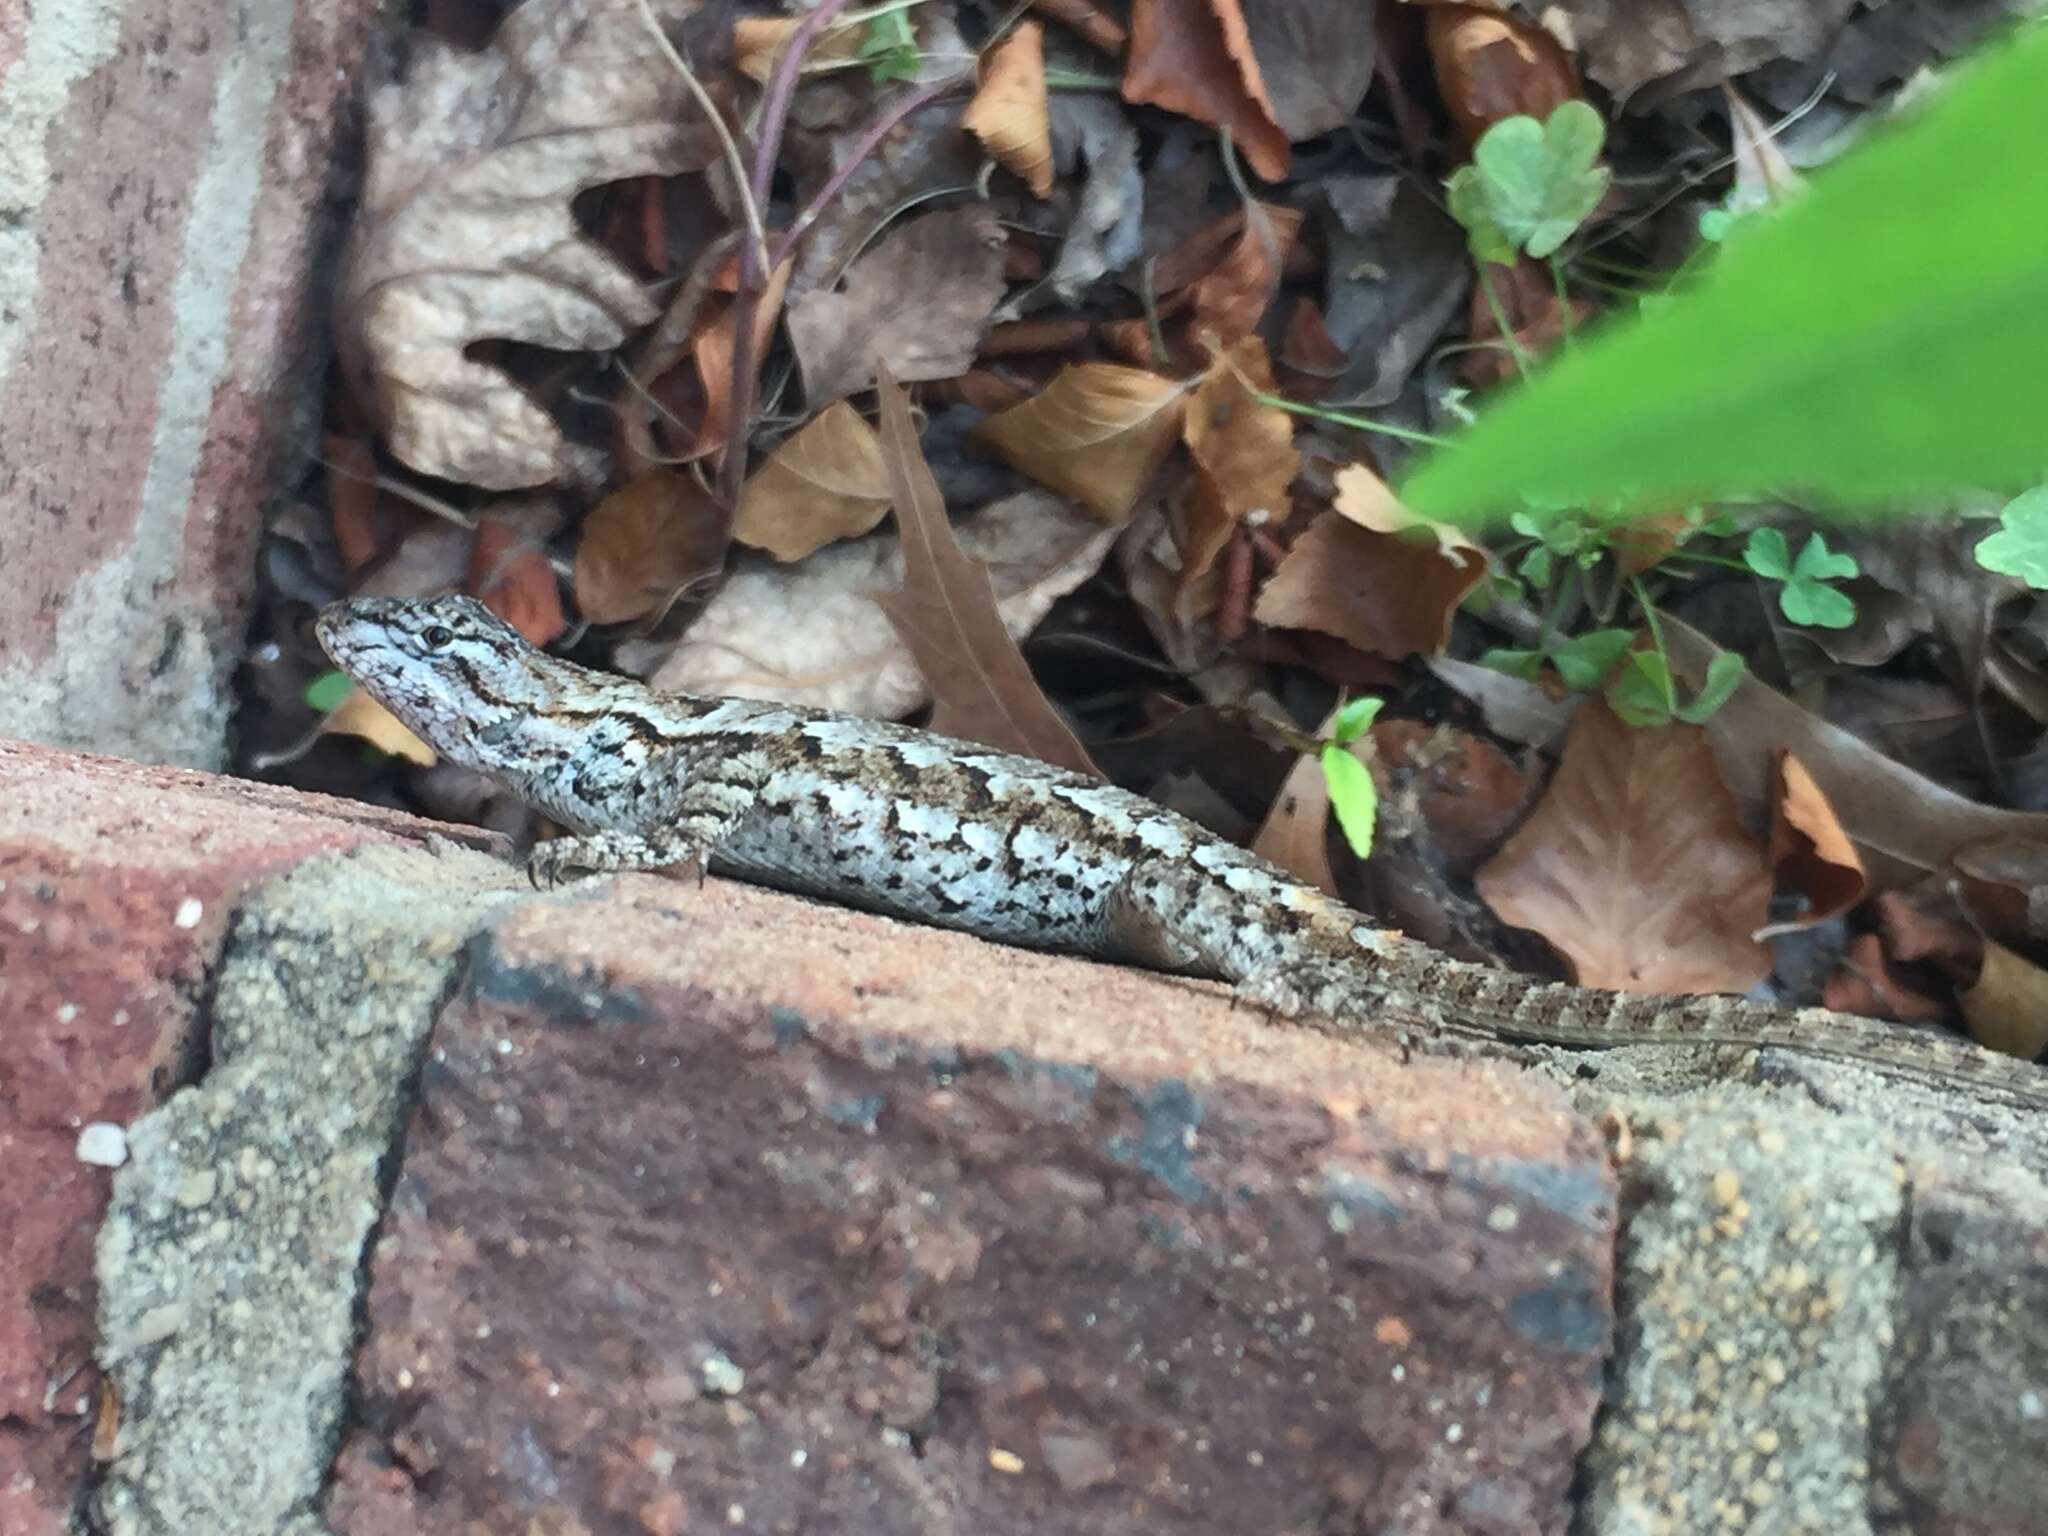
115,886
163,178
723,1211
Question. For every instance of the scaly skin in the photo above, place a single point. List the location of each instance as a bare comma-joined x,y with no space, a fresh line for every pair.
918,826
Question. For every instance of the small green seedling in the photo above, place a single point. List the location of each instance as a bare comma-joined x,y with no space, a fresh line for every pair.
1806,597
1580,662
2020,547
888,47
1353,797
1643,692
327,690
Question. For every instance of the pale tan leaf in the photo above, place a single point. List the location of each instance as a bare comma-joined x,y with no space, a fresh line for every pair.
757,40
1008,113
2006,1008
361,716
1367,500
1243,452
823,484
1095,433
465,230
811,633
982,690
1636,864
917,303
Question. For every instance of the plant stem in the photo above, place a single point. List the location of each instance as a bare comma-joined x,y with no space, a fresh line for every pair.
1564,304
1344,419
1500,318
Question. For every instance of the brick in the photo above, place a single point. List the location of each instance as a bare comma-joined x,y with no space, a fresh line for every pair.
116,887
163,202
721,1207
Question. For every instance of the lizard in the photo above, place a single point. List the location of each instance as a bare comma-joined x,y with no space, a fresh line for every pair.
900,821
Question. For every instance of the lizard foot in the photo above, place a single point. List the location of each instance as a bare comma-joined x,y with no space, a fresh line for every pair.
560,860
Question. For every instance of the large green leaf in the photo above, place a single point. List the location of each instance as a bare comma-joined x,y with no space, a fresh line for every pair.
1885,335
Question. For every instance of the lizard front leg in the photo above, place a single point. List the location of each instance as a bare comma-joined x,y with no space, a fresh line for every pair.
695,820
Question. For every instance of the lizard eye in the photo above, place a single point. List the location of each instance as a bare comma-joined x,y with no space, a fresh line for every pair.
437,637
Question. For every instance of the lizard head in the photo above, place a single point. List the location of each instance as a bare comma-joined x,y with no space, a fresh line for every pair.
462,678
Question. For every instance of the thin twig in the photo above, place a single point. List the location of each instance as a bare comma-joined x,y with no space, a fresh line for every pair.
750,205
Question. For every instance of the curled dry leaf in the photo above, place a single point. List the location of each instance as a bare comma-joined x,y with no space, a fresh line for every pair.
1636,865
509,570
644,545
823,484
982,690
918,303
1809,851
1195,57
1295,833
1371,573
1095,433
1009,114
465,230
1243,452
1492,64
813,634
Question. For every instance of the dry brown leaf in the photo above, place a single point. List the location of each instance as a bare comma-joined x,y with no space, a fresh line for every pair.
509,570
1095,433
1316,58
1809,851
1492,64
710,350
465,230
361,716
1089,20
757,40
811,634
1636,865
1225,304
1364,498
1008,113
1195,57
1393,594
982,690
1311,362
1470,793
1902,824
1243,452
1867,983
2006,1007
917,303
1295,833
1763,176
823,484
2005,887
643,545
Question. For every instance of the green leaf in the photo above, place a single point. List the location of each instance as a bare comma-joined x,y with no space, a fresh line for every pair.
1715,223
1353,718
2020,547
1723,673
1811,603
1882,337
1535,566
888,47
1768,554
327,690
1584,660
1467,201
1641,692
1538,181
1353,797
1527,665
1817,562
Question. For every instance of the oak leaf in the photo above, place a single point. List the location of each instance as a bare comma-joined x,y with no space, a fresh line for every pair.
918,302
825,483
982,689
1095,433
1636,864
465,230
1009,114
1195,57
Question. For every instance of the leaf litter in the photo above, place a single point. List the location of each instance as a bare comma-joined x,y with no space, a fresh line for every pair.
1115,264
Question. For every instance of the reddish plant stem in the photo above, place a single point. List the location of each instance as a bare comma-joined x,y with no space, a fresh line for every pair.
747,301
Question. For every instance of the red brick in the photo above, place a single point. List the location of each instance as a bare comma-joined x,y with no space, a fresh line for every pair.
1041,1244
116,886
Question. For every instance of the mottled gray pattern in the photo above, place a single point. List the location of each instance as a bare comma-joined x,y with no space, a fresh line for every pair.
900,821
